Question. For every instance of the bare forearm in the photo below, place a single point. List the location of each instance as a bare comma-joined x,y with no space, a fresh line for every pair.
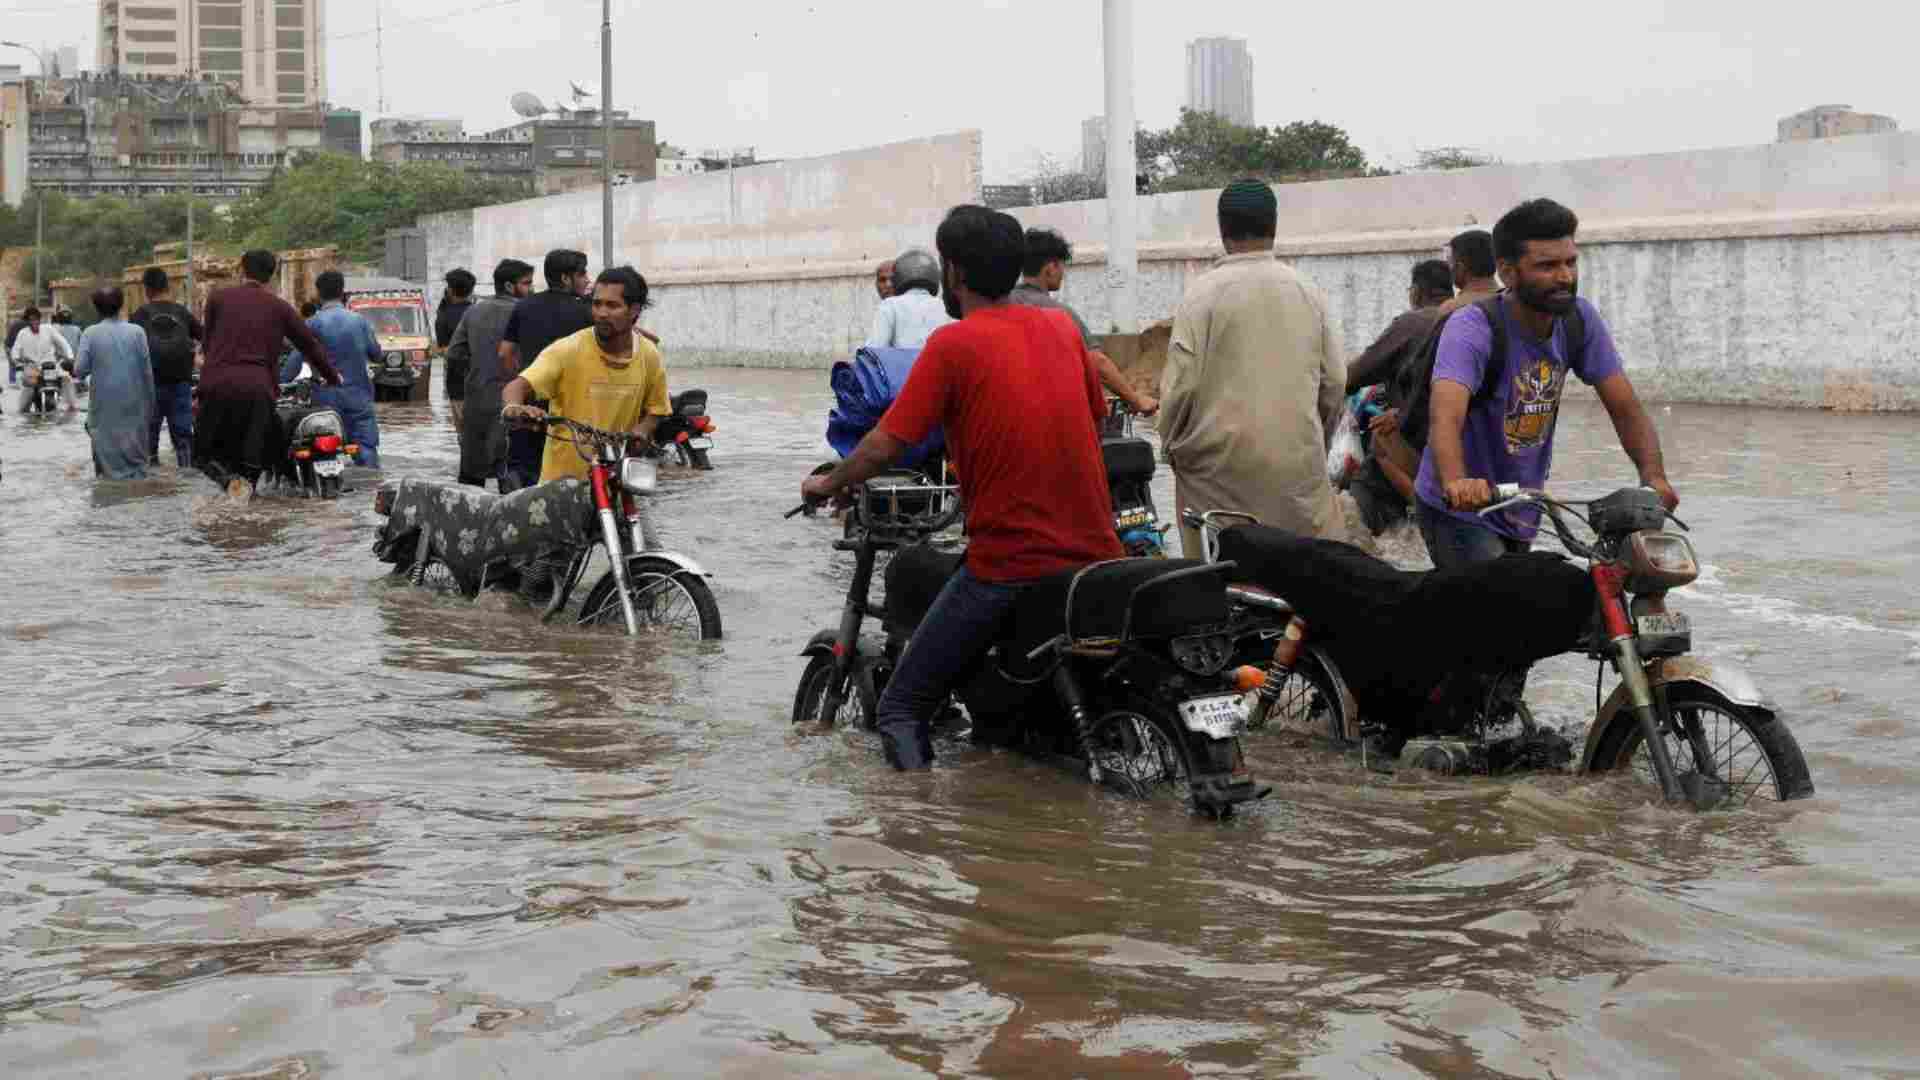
1111,376
515,392
875,454
1641,440
644,428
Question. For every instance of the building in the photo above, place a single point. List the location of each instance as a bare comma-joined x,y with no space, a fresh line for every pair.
677,166
274,51
549,154
14,132
69,61
118,135
1006,196
1220,79
343,132
1093,145
1832,121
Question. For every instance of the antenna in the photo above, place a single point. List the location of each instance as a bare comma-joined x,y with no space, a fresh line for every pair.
379,58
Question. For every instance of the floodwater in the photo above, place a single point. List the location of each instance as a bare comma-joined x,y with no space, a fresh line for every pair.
265,814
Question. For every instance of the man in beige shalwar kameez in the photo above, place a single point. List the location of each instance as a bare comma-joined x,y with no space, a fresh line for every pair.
1255,379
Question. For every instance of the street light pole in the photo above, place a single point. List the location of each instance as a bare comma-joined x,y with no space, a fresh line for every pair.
1123,240
39,202
606,133
193,163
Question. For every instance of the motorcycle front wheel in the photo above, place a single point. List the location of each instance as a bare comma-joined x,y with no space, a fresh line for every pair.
858,702
667,599
1754,757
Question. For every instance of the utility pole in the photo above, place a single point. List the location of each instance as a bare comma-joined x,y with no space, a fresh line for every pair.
193,163
39,197
1123,240
606,133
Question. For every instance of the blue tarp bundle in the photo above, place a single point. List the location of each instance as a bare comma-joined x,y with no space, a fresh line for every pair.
863,389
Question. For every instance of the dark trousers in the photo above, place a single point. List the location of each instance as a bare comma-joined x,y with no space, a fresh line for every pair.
172,406
356,416
524,451
964,622
1454,543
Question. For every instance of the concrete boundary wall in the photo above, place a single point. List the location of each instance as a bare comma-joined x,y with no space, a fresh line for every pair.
1782,274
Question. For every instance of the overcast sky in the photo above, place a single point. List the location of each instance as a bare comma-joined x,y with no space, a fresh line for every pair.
1533,82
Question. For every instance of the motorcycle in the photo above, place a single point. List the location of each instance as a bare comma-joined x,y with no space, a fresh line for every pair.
317,450
1351,642
688,429
44,383
1120,668
462,536
1130,468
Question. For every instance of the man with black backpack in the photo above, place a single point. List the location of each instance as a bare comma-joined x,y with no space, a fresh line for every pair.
1499,367
172,332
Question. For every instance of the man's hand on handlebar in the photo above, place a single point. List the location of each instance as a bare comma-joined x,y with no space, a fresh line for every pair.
819,489
1668,497
528,414
1468,494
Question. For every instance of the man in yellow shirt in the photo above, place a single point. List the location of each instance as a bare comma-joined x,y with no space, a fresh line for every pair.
606,376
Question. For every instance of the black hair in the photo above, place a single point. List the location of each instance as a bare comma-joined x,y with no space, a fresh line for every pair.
107,301
632,285
309,309
560,263
1248,211
460,282
1535,219
1433,278
1475,248
331,285
987,246
259,265
508,272
30,314
61,316
1045,246
154,279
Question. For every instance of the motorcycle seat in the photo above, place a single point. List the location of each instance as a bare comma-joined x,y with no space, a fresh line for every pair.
467,527
687,397
1124,598
1129,460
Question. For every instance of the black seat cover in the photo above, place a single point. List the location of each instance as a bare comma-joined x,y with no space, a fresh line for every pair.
1395,633
1099,598
680,400
1129,461
914,579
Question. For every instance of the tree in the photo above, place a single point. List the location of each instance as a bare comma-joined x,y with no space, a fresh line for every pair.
99,237
1452,157
1206,151
1054,182
333,199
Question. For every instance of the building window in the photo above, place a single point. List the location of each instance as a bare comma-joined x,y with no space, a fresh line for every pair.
150,35
158,14
292,84
216,38
292,39
289,17
154,59
219,16
293,61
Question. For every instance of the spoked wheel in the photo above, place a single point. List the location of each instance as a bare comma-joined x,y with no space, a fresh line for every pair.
699,459
666,598
1140,757
1312,699
857,703
1754,758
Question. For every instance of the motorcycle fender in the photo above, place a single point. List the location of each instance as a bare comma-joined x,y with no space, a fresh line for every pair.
821,644
1732,682
673,557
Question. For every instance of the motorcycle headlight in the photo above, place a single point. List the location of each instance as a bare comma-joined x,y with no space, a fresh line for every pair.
395,360
1659,560
1202,654
638,475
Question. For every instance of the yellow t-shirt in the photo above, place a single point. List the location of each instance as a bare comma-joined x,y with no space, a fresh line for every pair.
581,383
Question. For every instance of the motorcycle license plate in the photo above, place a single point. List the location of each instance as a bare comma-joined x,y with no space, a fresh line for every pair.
1219,717
329,467
1671,624
699,444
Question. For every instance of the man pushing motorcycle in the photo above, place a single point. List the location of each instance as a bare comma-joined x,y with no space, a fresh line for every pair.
1492,417
1020,404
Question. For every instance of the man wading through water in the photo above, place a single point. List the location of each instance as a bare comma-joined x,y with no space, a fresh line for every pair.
1014,390
238,428
454,306
1492,418
483,438
537,322
172,335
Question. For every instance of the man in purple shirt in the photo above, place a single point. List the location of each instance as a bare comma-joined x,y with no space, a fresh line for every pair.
1504,433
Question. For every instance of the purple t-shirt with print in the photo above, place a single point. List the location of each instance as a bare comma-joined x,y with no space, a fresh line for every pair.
1508,437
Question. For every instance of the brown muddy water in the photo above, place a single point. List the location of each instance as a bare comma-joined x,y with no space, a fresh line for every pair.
264,814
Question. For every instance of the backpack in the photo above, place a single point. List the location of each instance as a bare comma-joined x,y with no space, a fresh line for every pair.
169,340
1418,372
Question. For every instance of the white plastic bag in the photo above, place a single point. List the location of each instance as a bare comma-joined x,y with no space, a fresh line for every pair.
1345,453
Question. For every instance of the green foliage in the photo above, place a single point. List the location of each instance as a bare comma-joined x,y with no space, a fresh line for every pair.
99,237
1453,157
1205,151
333,199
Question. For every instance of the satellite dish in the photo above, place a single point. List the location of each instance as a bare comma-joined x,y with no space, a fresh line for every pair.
527,105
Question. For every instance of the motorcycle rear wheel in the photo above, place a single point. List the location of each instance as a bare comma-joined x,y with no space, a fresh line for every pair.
858,707
700,460
1754,755
666,598
1312,697
1142,756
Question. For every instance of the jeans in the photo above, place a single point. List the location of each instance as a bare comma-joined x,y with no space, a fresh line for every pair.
1453,543
964,622
356,416
172,406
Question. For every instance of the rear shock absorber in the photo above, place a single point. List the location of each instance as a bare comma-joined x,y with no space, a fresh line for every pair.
1076,703
1286,653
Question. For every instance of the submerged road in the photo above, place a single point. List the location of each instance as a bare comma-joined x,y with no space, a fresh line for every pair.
265,814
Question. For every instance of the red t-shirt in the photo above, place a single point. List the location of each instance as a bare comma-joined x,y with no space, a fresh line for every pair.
1020,402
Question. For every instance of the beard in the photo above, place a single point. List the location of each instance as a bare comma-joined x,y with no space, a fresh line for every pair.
1550,299
608,336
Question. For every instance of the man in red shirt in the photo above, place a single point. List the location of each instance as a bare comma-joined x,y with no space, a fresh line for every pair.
1018,398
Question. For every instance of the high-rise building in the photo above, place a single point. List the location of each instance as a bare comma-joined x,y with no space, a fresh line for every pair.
1832,121
274,50
1093,145
1220,78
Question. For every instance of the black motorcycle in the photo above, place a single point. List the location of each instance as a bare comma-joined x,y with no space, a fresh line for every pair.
317,451
1121,668
688,429
1130,468
44,384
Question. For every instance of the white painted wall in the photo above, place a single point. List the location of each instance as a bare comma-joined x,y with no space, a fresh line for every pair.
1779,274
